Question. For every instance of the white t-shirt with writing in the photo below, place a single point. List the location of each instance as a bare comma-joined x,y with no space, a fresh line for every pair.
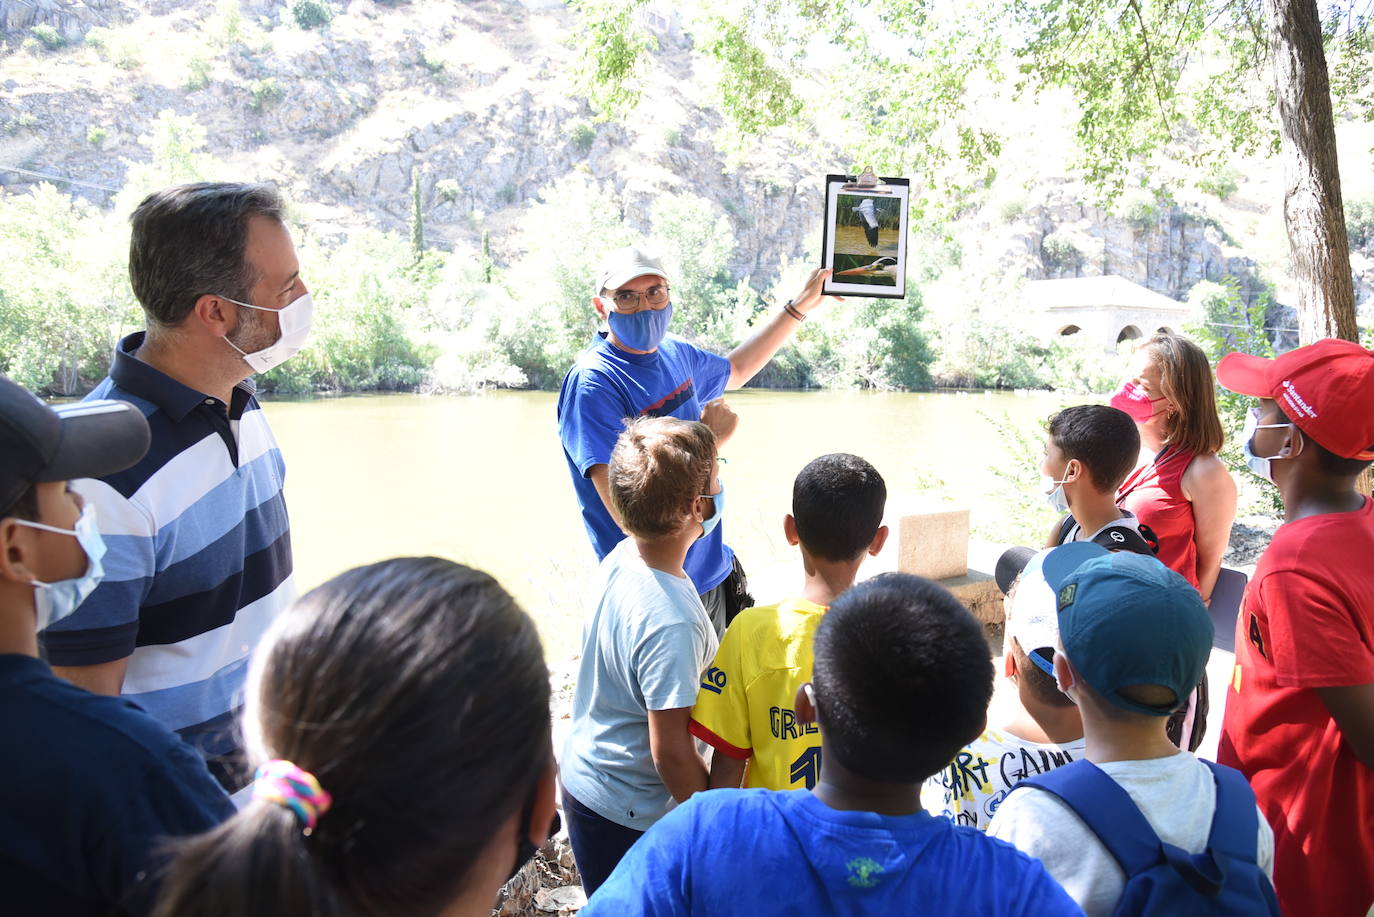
1177,795
973,785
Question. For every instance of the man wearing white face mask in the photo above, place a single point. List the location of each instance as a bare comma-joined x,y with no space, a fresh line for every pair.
199,546
1300,711
89,785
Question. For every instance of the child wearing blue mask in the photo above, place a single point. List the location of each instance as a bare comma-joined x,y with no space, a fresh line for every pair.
93,785
629,754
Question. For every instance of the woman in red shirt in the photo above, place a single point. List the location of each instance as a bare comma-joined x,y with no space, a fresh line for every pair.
1180,488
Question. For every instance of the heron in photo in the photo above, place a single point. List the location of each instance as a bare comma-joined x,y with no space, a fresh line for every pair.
866,212
884,266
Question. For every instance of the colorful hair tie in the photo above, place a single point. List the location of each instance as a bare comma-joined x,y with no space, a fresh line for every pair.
287,785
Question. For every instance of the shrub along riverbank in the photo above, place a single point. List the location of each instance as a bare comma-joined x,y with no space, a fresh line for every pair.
391,318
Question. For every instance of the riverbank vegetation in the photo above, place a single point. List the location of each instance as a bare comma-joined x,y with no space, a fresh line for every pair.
1055,174
391,315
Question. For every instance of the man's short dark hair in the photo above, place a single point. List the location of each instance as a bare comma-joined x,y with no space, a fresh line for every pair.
189,240
1328,462
1103,438
903,677
838,502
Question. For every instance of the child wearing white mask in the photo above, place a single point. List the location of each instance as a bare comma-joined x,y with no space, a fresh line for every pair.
93,784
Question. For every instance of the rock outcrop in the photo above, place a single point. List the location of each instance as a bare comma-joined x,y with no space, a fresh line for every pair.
476,97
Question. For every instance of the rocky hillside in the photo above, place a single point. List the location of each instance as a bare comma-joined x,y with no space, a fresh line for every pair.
477,100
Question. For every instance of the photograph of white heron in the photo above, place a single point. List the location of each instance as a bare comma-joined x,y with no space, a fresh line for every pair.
865,236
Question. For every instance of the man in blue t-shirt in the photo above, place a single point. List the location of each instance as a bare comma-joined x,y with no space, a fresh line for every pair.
91,787
901,682
637,368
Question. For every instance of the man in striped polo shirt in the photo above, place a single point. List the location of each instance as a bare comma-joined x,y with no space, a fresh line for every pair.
199,546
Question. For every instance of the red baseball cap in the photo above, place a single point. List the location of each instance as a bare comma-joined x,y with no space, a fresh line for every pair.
1326,388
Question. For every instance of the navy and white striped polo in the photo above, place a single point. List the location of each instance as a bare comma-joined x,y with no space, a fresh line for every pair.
198,561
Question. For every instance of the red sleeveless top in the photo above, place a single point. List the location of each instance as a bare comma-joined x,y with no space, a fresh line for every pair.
1154,492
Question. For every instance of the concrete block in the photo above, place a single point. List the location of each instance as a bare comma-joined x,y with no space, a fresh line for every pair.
933,542
978,592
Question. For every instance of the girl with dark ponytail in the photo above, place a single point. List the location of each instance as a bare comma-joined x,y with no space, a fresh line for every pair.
399,715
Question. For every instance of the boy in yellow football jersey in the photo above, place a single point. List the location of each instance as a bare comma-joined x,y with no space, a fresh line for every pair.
744,708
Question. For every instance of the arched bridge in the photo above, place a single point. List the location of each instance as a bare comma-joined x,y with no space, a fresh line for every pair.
1108,310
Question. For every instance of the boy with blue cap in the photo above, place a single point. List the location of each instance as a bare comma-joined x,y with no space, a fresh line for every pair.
1134,638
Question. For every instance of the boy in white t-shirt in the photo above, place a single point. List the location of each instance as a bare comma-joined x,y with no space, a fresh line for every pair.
1046,731
628,756
1134,637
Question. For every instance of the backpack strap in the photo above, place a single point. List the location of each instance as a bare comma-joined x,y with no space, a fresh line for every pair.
1235,825
1065,526
1107,810
1124,538
1151,539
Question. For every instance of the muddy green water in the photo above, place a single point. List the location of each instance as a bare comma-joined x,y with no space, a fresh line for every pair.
482,479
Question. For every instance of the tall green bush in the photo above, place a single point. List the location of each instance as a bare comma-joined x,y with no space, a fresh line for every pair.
363,333
1359,221
1226,324
553,277
311,14
48,36
64,297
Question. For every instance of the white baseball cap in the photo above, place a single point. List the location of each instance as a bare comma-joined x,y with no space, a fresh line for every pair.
1033,612
625,264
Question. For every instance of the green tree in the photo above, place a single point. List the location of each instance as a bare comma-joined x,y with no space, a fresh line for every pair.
903,78
417,214
365,333
696,241
64,297
553,276
176,144
311,14
1226,324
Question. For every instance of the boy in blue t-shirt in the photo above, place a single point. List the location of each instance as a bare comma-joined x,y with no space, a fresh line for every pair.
90,785
902,680
629,755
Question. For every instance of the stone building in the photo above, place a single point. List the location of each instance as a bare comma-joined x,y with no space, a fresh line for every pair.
1108,309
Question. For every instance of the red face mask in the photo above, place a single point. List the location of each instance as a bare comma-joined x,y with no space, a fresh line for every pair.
1132,399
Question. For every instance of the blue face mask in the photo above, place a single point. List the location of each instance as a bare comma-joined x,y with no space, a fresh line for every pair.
717,500
54,601
642,330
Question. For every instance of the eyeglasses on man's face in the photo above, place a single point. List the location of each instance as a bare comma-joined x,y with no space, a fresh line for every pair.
629,300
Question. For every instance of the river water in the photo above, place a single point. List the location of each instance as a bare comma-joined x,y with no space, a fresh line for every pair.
482,480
